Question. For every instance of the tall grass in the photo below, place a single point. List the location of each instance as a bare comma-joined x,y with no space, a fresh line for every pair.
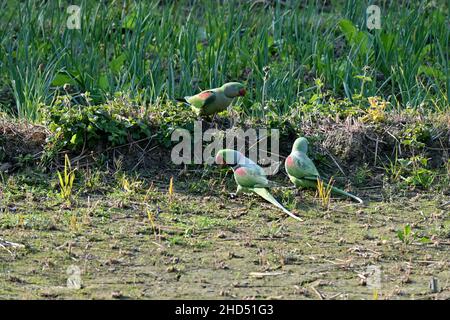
168,49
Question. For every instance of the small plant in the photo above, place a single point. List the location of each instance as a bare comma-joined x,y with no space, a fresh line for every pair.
129,185
73,223
396,167
404,235
92,180
416,135
171,188
362,174
376,112
420,176
21,221
411,172
375,294
118,164
324,192
151,218
266,71
66,180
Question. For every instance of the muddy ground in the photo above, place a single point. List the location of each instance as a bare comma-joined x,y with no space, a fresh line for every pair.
135,240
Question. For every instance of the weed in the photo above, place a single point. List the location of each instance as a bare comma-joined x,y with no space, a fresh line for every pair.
66,179
406,236
170,192
324,192
376,111
151,218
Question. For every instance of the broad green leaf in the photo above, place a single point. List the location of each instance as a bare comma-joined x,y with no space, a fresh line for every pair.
73,140
348,29
425,240
407,230
103,82
387,40
61,79
431,72
129,21
117,63
400,235
354,37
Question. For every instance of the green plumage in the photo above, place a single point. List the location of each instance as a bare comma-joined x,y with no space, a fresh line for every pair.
302,171
250,177
212,101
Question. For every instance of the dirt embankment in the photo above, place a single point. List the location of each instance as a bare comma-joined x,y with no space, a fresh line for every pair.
19,140
349,143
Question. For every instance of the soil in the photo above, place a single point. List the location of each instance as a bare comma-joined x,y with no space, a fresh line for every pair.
216,247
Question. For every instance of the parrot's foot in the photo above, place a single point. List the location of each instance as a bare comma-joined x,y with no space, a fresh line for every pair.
233,195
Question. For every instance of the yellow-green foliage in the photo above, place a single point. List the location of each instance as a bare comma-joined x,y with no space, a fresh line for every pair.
376,112
324,192
66,180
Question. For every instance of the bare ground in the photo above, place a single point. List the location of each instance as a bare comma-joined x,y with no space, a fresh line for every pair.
214,247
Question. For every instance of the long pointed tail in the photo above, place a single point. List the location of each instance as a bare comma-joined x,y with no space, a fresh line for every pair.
181,100
343,193
267,196
313,183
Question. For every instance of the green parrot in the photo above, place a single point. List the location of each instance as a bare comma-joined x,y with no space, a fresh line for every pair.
302,171
249,176
212,101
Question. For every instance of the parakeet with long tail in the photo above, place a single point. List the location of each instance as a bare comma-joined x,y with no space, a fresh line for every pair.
249,177
213,101
302,171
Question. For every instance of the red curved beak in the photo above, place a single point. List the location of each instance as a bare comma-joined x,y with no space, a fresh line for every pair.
242,92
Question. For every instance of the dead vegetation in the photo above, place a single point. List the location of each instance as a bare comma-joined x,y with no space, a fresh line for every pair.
348,143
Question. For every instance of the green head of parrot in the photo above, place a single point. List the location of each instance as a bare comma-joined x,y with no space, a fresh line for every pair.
228,156
300,144
234,89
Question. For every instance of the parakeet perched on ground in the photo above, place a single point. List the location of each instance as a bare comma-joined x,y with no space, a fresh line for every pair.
302,171
212,101
249,176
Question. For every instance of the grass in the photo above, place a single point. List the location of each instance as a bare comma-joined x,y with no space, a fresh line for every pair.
66,179
163,50
374,105
324,192
146,242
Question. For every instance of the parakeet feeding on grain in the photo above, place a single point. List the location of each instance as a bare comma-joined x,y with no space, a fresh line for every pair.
302,171
212,101
249,176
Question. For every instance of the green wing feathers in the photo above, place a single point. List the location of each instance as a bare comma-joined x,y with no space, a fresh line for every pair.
268,197
202,99
300,165
251,176
303,173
